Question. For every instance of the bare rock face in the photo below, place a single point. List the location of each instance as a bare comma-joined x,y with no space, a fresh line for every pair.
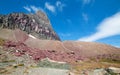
37,25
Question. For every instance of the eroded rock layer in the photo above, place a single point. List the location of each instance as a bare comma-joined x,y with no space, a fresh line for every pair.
37,25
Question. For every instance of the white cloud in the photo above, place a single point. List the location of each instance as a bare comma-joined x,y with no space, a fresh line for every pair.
27,8
60,5
107,28
32,8
85,17
57,6
117,46
35,9
50,7
86,2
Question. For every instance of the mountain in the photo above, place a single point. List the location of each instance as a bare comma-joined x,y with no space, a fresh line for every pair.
29,46
36,24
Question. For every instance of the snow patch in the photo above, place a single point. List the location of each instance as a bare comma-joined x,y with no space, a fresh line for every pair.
32,36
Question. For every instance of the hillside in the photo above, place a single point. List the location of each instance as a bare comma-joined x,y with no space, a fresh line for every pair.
18,51
26,50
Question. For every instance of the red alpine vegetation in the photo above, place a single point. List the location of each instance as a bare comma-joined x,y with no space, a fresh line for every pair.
37,54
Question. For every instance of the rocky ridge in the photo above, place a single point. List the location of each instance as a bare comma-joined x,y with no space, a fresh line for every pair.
37,25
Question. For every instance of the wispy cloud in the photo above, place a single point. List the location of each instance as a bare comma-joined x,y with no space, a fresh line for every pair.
60,5
50,7
107,28
35,9
117,46
85,17
87,2
32,8
27,8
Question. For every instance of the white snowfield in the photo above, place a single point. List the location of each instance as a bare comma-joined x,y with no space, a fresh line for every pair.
32,36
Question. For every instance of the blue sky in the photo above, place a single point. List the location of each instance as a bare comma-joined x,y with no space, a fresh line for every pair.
79,20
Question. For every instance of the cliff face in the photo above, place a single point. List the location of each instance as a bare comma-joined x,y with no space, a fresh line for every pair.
36,24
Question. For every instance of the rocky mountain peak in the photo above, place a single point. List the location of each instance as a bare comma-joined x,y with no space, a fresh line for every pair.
43,16
37,25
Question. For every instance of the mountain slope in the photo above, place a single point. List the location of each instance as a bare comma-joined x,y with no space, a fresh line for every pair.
36,24
84,49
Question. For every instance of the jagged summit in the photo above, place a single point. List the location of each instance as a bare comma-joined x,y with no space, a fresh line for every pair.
37,24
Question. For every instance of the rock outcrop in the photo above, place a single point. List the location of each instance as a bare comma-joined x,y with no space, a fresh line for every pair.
102,71
37,25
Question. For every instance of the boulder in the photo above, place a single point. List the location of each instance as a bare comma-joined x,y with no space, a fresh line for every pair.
97,72
113,70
